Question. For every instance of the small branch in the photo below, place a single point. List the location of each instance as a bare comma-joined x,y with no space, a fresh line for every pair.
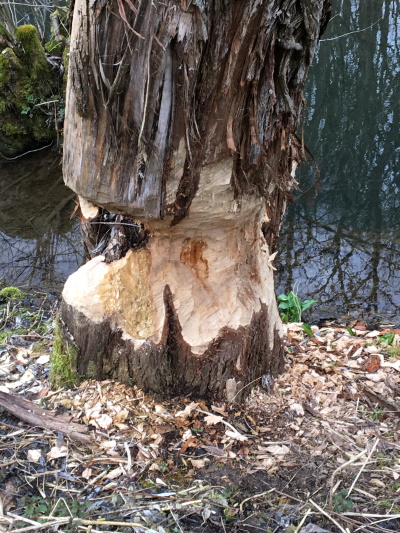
351,32
253,497
297,530
328,516
341,467
363,466
37,417
240,436
25,153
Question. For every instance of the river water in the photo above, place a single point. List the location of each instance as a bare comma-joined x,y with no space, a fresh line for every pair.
39,241
341,247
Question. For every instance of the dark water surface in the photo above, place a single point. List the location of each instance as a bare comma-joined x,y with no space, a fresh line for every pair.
39,242
343,247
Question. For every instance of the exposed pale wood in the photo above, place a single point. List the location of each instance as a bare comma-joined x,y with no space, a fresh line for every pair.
88,210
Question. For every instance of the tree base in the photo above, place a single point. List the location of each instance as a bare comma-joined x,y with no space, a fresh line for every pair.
170,367
193,312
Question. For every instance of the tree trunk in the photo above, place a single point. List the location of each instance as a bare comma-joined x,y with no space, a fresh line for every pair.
181,121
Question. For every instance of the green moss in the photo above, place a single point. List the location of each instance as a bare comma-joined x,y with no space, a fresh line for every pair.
28,36
11,293
54,47
39,347
393,351
9,64
4,33
4,335
91,371
63,362
33,57
27,82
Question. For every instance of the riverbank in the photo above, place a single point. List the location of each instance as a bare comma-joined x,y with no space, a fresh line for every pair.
319,449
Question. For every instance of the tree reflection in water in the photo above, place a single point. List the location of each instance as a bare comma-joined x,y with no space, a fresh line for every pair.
40,244
343,247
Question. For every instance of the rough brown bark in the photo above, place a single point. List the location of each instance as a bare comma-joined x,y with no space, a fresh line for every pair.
37,417
182,115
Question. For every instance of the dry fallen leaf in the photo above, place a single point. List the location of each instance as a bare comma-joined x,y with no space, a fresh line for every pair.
120,417
198,463
297,408
108,444
43,360
117,472
188,409
278,451
57,452
87,473
210,420
372,364
33,456
104,421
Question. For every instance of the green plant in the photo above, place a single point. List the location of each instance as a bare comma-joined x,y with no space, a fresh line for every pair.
388,338
377,414
11,293
36,506
292,307
351,331
393,351
308,330
341,502
63,362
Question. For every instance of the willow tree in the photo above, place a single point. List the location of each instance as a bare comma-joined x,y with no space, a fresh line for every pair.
180,141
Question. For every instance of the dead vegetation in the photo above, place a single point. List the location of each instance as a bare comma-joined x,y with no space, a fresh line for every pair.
320,451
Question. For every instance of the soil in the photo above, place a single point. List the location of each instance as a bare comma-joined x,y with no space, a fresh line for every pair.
319,449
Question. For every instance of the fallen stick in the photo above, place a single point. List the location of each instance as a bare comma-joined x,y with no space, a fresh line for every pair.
328,516
384,402
341,467
35,416
362,467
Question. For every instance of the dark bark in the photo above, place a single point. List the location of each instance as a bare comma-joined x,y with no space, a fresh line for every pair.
170,367
37,417
227,77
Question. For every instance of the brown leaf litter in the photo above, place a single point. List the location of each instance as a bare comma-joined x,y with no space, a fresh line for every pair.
321,453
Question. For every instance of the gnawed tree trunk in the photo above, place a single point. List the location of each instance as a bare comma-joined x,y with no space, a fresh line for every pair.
181,120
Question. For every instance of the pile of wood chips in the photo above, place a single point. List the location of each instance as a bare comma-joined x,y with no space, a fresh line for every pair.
320,453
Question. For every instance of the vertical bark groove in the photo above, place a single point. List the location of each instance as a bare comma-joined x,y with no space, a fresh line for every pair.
227,77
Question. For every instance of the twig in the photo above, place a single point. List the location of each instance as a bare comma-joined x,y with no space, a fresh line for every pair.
248,385
55,522
174,517
94,522
224,422
328,516
352,460
25,153
351,32
252,498
23,519
371,515
362,467
302,521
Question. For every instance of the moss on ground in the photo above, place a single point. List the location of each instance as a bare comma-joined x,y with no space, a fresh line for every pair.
63,362
11,293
